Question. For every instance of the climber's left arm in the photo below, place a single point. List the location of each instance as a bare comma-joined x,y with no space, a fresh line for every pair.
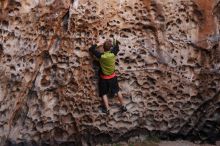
93,50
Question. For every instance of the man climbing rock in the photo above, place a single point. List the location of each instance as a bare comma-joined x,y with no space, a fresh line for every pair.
108,83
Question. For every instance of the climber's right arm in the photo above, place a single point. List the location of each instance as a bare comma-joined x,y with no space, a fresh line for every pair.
115,48
93,50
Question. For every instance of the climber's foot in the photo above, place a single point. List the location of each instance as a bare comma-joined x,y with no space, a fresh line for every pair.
123,108
102,109
106,111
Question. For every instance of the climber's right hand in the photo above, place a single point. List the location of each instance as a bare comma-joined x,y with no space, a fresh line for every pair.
100,43
117,42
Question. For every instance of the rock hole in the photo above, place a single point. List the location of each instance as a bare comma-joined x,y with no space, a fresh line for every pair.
160,18
139,56
8,58
5,23
126,29
174,62
178,21
111,35
77,48
12,68
1,50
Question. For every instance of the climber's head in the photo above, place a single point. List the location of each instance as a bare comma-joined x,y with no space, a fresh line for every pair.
107,45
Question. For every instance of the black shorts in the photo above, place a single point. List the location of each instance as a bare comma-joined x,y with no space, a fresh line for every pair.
108,86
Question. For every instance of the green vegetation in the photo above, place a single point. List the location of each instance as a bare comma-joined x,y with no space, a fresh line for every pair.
153,138
148,140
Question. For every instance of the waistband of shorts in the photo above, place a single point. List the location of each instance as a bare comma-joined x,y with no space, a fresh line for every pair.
107,76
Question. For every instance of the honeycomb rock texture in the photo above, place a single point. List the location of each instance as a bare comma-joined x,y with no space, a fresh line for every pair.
168,70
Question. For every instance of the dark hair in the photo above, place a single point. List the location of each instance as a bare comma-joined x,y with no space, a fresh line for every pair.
107,45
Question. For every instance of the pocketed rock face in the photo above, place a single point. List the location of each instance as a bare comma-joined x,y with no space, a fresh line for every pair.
168,68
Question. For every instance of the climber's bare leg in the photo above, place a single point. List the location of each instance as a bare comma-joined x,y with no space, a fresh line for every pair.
120,98
105,99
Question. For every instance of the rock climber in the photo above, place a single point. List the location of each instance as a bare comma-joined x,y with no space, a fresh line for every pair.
108,83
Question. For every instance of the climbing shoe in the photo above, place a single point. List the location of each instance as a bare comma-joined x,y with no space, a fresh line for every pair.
106,111
123,109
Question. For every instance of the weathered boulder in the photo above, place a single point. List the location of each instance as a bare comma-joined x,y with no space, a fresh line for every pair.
168,70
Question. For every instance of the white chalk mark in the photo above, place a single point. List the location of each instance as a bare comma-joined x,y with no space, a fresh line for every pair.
76,4
120,3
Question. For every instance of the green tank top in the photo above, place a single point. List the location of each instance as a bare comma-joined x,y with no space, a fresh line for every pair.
107,62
